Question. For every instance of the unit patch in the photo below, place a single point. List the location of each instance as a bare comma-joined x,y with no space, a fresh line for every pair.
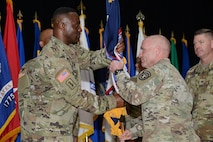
144,75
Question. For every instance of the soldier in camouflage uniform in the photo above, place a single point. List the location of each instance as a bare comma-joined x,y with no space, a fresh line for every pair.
200,80
164,96
49,85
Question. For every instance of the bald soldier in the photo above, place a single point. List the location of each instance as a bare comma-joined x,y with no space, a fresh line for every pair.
45,37
165,99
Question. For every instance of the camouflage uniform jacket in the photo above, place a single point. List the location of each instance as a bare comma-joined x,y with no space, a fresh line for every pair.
200,80
165,100
50,91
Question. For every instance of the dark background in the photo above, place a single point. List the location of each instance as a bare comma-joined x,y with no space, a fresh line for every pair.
180,16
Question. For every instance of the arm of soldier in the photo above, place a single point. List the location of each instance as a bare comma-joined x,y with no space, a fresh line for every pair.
141,90
126,135
131,133
65,79
134,125
97,59
92,59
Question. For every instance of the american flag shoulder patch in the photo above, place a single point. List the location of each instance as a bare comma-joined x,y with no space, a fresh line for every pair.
63,75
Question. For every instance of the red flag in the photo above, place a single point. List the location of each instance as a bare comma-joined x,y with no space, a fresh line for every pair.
11,48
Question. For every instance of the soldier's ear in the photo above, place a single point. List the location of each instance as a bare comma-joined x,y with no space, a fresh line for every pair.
41,43
158,50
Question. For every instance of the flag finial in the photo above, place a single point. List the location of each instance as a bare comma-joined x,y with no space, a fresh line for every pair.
140,16
19,20
172,37
81,7
19,15
172,34
127,29
160,31
36,16
101,24
184,40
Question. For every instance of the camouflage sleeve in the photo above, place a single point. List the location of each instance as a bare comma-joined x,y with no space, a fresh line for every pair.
92,59
134,125
142,89
65,79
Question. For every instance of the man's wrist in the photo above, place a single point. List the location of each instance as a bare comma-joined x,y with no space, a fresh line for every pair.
118,71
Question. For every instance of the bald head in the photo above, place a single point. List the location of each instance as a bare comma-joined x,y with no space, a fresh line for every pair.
45,37
160,41
154,48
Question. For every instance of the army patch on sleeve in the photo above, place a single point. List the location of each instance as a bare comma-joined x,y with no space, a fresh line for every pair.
145,74
63,75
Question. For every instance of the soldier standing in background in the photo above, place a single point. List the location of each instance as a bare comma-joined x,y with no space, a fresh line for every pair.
165,99
45,36
200,80
49,85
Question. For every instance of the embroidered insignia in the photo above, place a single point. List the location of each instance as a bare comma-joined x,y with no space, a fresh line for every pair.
64,74
144,75
70,83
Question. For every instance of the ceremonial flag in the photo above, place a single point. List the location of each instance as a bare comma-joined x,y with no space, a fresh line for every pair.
129,55
7,107
185,58
37,30
112,32
173,53
20,42
11,128
112,35
87,83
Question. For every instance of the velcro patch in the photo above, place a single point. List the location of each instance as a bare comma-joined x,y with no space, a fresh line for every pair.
70,83
144,75
63,75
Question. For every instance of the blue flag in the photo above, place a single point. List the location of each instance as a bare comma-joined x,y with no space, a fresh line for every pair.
7,98
185,58
20,43
112,32
37,31
112,35
129,56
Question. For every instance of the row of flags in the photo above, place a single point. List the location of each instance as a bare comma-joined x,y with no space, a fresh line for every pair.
9,70
185,56
13,57
11,60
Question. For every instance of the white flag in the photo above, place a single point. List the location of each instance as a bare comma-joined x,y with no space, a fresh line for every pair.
87,83
140,39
